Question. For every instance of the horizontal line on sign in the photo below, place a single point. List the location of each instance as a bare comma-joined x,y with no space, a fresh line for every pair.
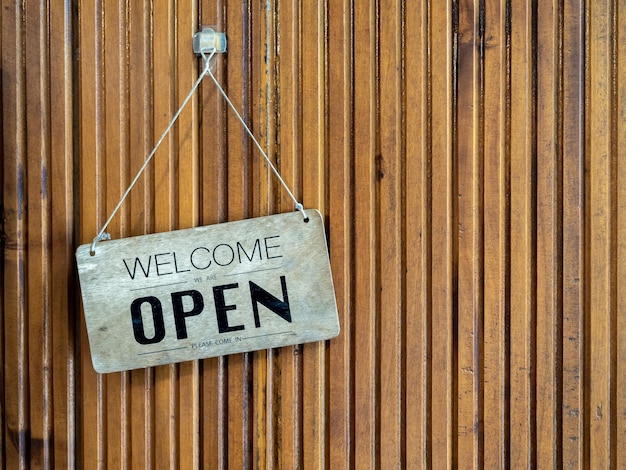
161,350
255,271
160,285
270,334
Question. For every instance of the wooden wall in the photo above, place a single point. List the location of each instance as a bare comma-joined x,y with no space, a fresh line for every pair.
465,155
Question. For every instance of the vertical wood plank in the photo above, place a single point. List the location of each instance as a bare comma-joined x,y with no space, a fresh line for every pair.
365,281
165,218
290,100
620,196
338,149
549,236
313,195
62,286
289,431
140,211
38,233
496,341
239,21
3,238
443,285
264,195
15,402
522,359
116,175
92,210
213,191
188,184
469,234
601,200
574,441
141,140
237,80
389,168
188,67
267,188
418,247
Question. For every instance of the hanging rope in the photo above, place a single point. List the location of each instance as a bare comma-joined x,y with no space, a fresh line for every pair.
206,70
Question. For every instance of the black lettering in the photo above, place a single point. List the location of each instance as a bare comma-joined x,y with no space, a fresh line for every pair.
157,320
179,310
193,263
146,272
268,247
240,249
157,264
260,295
232,254
176,265
221,309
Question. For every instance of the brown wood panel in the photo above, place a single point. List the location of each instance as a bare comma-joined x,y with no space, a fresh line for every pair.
389,167
523,440
364,286
140,216
15,370
340,209
575,420
443,280
465,158
601,226
418,247
497,236
288,425
620,252
213,195
313,76
549,236
468,242
39,412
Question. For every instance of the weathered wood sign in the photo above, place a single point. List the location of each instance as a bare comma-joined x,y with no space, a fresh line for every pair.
207,291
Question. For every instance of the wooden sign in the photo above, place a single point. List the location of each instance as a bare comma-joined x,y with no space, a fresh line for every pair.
207,291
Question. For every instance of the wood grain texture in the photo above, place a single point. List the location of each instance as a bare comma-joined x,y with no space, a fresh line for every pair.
465,158
469,239
418,246
620,248
575,420
15,367
389,167
601,225
340,392
443,277
549,237
522,266
365,295
497,236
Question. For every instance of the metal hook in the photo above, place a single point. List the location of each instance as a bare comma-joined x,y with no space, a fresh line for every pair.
208,40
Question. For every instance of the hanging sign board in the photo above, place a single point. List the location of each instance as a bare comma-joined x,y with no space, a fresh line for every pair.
207,291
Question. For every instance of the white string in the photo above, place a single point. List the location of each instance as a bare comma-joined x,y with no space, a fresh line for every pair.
102,235
298,206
